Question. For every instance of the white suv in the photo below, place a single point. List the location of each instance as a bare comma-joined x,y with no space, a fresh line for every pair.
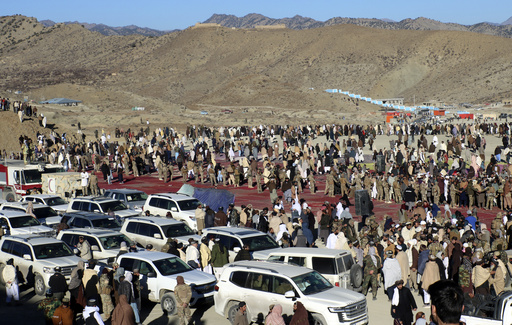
156,231
260,244
336,265
36,259
56,202
45,214
20,223
158,277
269,283
102,205
105,244
182,207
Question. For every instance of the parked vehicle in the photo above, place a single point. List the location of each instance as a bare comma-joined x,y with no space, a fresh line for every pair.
36,258
156,231
56,202
260,244
337,266
269,283
182,207
20,223
101,205
45,214
158,278
83,219
134,199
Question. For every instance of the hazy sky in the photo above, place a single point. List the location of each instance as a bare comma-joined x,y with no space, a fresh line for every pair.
170,14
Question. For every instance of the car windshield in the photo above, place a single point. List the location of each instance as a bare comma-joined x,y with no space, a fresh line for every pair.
114,241
45,212
186,205
55,201
32,176
311,283
177,230
52,250
24,221
136,197
261,242
172,265
108,223
113,206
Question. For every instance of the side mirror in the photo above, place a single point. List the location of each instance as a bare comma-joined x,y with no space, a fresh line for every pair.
289,294
174,209
236,249
151,275
27,257
76,251
157,236
95,248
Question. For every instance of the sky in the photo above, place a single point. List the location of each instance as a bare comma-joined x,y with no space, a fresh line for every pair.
171,14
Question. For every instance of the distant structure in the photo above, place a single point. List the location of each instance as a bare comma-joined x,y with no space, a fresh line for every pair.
392,101
277,26
206,25
433,103
507,101
61,101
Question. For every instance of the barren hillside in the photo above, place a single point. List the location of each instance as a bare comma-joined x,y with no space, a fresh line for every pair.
263,71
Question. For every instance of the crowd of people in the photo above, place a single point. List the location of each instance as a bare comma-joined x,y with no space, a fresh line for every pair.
440,186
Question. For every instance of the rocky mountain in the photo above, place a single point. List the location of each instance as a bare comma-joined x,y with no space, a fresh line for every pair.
507,22
109,30
299,23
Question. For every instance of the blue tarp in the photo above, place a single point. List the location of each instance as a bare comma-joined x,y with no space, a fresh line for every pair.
209,196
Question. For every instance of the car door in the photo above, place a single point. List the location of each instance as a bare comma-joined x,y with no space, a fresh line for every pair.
149,284
24,267
280,286
258,295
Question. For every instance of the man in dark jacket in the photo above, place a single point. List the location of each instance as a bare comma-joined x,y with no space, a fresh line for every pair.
221,219
58,284
402,303
244,254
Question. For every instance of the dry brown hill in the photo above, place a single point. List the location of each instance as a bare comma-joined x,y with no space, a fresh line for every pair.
268,71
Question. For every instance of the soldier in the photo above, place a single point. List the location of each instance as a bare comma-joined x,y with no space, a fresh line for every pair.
196,173
424,190
385,187
259,184
312,186
470,191
491,195
93,183
372,265
224,174
183,294
397,191
237,176
211,174
436,192
453,193
105,290
202,174
48,306
184,173
380,190
329,184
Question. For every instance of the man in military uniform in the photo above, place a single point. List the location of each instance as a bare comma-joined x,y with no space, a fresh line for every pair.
196,173
312,185
372,265
491,195
380,190
396,191
184,173
470,191
329,185
385,187
423,190
436,192
93,184
183,294
453,193
48,306
211,174
259,181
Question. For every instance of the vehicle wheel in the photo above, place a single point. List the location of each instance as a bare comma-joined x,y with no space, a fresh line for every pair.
356,276
232,310
1,276
39,285
318,319
10,197
168,304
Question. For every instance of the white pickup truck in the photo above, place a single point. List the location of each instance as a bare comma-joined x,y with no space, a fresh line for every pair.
497,311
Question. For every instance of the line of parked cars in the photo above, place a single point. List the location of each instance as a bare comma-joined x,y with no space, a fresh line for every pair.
319,278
